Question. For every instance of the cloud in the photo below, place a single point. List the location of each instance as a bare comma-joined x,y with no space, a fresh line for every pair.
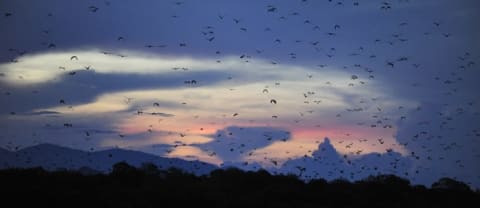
38,113
443,140
327,163
40,73
56,66
143,93
234,143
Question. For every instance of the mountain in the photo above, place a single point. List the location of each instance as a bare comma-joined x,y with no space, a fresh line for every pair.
52,157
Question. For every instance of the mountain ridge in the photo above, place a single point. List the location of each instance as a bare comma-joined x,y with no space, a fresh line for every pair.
53,157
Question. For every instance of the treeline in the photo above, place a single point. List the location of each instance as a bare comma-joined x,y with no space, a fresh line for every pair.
147,186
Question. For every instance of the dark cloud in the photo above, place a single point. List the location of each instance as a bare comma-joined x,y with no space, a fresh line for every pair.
38,113
443,140
68,28
85,86
327,163
235,142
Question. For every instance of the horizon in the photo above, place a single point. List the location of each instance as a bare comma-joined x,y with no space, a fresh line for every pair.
122,159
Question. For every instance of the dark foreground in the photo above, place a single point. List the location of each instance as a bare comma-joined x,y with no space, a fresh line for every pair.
147,186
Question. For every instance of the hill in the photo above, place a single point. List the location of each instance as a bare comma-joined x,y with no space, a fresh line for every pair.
53,157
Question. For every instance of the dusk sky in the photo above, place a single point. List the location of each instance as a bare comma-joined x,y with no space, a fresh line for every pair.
392,84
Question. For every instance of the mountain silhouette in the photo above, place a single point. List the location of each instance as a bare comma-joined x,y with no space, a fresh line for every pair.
53,157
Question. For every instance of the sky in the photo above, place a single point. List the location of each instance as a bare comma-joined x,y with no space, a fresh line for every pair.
391,84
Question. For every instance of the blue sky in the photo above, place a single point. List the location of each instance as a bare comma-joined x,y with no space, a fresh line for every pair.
254,82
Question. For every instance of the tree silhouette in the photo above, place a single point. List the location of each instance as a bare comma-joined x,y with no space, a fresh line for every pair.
149,186
450,184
